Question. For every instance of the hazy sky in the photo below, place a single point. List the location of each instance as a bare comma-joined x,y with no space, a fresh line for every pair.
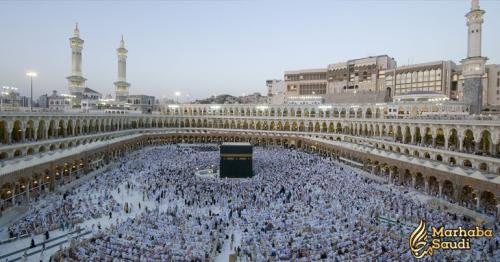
203,48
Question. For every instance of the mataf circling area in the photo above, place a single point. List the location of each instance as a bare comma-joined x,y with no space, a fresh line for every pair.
298,207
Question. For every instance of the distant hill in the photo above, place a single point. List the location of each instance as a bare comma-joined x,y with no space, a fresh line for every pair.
255,98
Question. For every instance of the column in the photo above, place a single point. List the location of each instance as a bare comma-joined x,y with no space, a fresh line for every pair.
478,199
440,189
14,194
477,145
413,180
28,191
46,131
457,191
461,143
401,177
498,206
23,135
426,185
446,142
40,181
35,133
494,145
9,134
52,181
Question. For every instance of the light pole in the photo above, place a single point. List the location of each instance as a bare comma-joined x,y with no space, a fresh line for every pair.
31,74
177,94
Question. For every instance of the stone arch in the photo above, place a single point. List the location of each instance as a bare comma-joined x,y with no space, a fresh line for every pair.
60,129
485,142
30,151
448,189
468,143
433,186
17,131
368,113
440,140
483,167
3,155
467,163
29,132
352,113
4,133
467,196
52,128
343,113
17,153
488,202
453,142
419,181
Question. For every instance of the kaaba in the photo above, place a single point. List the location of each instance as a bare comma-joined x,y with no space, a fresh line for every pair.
236,160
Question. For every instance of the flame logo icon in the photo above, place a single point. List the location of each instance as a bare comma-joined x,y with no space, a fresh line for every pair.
418,241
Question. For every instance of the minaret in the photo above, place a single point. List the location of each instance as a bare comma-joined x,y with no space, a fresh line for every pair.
76,82
122,85
473,67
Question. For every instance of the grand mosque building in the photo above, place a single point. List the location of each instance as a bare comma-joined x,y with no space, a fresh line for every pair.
422,126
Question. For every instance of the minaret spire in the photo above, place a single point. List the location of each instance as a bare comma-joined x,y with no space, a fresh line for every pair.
473,67
475,5
122,43
76,31
76,82
122,85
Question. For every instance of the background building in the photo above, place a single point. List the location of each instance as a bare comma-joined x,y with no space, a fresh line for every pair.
354,81
9,98
43,101
141,103
422,82
276,91
90,99
60,102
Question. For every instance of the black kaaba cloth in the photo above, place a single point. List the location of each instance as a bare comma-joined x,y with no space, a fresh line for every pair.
236,160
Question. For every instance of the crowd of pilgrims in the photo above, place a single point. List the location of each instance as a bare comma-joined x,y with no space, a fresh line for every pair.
68,208
298,207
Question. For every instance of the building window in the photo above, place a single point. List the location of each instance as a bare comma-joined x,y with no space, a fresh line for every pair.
312,89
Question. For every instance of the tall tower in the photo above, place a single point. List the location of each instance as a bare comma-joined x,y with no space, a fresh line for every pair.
473,67
76,82
122,85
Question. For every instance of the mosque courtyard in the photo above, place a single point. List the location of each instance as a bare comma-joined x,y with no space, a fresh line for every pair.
150,206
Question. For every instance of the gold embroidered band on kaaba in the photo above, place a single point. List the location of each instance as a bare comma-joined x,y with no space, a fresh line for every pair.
235,155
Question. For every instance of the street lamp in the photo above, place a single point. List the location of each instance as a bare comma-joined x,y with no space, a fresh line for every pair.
31,74
177,94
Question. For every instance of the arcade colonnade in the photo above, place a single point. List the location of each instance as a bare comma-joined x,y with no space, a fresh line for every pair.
24,134
22,185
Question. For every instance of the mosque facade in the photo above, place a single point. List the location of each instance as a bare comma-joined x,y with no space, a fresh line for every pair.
438,145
